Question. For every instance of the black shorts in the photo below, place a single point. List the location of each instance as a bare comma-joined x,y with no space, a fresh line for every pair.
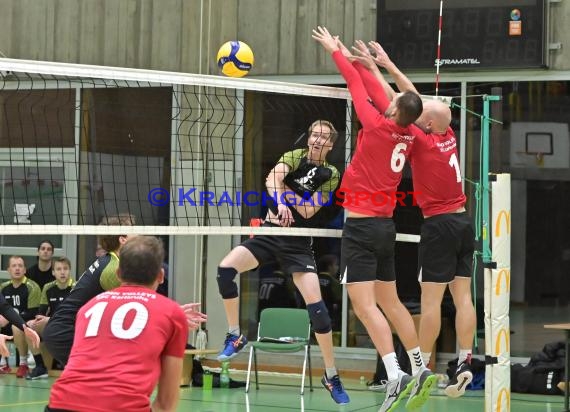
293,253
58,339
7,330
446,248
367,250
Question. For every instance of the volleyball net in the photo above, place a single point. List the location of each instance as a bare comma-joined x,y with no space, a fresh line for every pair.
82,143
181,153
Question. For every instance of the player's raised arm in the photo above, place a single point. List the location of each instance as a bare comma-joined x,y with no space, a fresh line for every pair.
383,60
367,114
366,60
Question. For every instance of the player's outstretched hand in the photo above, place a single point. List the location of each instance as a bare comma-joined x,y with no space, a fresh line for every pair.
32,336
381,58
3,347
344,50
363,55
361,47
322,35
193,316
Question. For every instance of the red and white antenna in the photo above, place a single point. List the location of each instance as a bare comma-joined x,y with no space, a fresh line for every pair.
438,48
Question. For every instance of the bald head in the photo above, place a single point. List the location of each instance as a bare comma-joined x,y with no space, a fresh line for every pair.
435,118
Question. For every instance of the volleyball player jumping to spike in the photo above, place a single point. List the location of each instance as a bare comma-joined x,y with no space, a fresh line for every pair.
298,179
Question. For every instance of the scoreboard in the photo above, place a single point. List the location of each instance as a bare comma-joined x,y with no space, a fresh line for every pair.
475,33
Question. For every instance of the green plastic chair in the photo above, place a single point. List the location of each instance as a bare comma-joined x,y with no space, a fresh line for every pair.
290,326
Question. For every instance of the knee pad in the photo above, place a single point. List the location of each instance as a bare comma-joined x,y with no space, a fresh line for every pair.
226,285
319,315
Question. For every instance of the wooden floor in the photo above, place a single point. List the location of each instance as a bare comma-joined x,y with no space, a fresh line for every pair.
277,394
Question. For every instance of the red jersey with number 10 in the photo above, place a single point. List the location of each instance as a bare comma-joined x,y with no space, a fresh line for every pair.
435,172
120,338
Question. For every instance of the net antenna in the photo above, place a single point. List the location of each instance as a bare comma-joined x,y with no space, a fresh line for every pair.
437,61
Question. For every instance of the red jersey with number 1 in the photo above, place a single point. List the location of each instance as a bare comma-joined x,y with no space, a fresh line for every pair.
435,172
371,180
115,362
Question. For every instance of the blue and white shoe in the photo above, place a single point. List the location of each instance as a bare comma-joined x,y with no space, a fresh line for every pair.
232,346
335,388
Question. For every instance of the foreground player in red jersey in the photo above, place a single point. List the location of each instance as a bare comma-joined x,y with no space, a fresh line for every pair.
367,254
447,237
126,340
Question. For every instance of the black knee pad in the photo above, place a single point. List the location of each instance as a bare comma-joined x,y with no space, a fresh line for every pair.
226,285
319,315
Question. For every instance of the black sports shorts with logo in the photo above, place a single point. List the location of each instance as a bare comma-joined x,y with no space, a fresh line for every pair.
367,250
446,248
294,253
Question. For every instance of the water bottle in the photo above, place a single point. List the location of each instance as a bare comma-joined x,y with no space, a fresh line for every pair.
12,361
225,375
207,380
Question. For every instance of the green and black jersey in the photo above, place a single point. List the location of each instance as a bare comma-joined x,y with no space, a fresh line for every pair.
99,277
53,295
25,297
10,313
305,179
59,331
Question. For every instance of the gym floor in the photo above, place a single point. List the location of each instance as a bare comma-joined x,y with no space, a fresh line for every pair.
277,394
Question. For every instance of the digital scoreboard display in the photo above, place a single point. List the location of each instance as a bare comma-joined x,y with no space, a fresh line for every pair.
475,33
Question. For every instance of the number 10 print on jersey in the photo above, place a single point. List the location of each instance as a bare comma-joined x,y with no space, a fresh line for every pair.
118,324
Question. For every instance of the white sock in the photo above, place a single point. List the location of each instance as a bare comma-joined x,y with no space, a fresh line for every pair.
3,361
234,330
464,356
415,359
426,356
24,360
331,372
392,367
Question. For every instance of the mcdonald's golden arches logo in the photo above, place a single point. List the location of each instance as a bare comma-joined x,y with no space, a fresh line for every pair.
507,274
507,215
503,391
505,333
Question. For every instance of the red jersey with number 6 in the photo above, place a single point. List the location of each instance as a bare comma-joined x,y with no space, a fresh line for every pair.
120,338
435,172
371,179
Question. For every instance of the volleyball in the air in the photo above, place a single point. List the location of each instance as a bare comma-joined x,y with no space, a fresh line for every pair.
235,58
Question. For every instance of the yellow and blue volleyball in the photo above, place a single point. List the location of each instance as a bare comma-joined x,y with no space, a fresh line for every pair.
235,58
